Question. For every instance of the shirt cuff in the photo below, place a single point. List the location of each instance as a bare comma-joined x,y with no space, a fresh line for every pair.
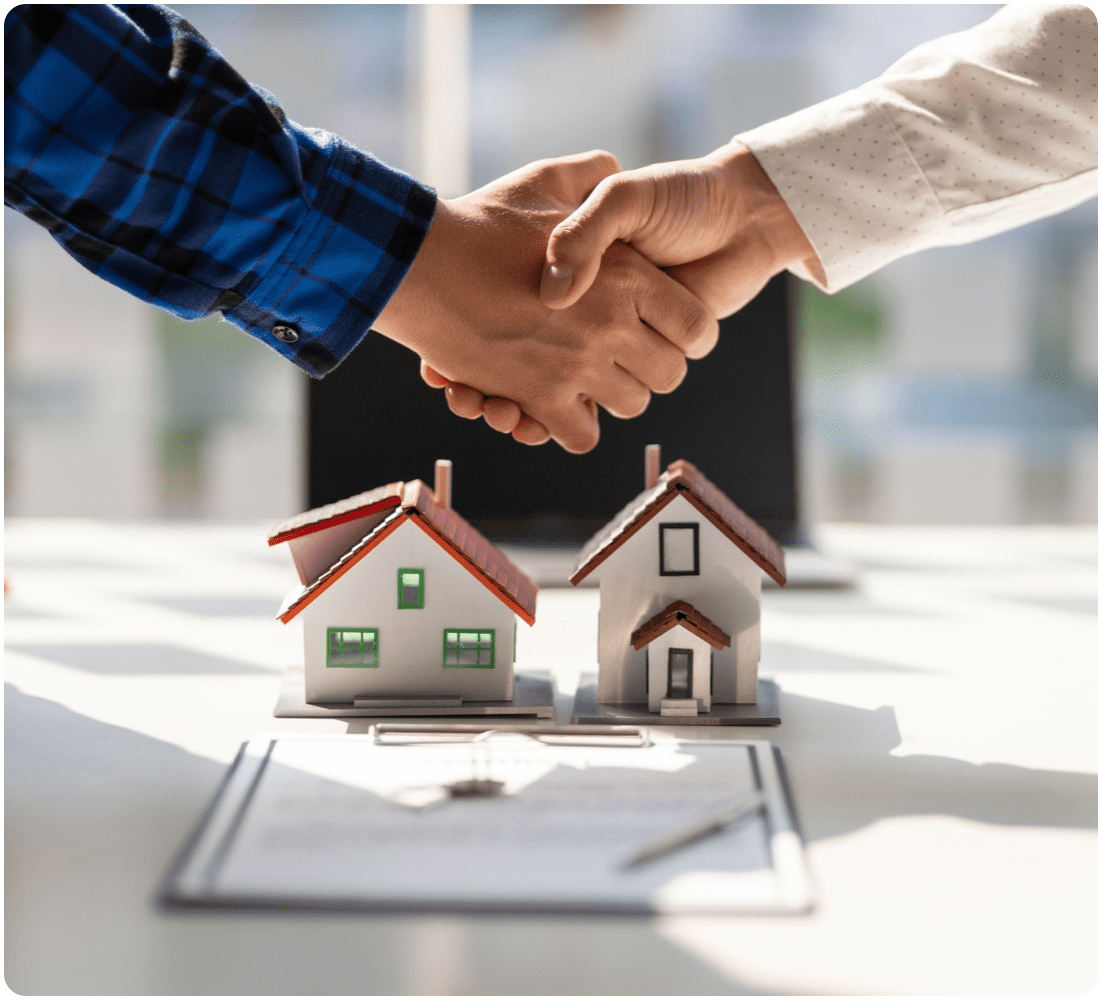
350,251
851,184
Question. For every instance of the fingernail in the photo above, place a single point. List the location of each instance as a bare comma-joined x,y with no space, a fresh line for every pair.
558,279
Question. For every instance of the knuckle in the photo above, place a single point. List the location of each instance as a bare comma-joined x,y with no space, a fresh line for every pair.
621,264
631,404
605,160
568,232
582,441
638,403
702,333
671,375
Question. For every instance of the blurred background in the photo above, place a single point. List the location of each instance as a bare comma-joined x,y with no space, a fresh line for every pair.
956,386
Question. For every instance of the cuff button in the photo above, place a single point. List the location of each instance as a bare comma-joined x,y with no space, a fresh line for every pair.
288,334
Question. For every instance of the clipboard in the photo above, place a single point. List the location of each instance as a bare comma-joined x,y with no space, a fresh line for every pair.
457,818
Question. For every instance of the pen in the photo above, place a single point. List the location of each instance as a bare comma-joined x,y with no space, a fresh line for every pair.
728,818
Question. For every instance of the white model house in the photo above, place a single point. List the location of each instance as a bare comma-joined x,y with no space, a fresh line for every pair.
680,584
402,602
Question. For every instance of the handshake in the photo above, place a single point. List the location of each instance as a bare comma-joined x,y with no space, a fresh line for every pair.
570,283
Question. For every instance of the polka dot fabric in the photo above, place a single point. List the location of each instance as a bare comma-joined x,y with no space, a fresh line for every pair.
964,137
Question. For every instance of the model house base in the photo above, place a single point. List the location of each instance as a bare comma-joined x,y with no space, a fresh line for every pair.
533,697
588,710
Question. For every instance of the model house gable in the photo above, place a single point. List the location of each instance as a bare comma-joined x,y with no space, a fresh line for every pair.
417,504
679,539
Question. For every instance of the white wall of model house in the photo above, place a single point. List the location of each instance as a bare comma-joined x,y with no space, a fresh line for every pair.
410,640
727,590
658,674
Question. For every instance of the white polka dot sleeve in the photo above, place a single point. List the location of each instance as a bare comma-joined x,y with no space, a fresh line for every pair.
964,137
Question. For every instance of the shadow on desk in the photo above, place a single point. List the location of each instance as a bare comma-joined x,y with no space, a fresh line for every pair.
845,777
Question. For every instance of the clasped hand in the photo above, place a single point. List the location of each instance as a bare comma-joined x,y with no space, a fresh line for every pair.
542,294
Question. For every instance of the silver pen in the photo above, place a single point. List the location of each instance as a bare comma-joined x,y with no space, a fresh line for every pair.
728,818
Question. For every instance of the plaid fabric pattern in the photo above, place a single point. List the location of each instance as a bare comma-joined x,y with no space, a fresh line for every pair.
159,169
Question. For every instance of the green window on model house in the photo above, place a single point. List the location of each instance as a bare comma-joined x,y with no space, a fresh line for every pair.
469,648
411,588
352,647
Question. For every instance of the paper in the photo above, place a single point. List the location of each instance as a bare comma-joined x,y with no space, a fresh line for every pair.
346,820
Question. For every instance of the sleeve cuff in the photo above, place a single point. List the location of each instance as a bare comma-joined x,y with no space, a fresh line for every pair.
851,183
350,252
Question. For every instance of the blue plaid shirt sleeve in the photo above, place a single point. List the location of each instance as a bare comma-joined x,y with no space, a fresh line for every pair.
159,169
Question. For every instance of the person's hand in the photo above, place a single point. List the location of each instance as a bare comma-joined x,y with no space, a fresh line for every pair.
717,224
470,308
501,414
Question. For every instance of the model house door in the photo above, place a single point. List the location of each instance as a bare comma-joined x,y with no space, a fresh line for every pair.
680,674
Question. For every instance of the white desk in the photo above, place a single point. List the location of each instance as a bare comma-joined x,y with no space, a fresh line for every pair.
939,727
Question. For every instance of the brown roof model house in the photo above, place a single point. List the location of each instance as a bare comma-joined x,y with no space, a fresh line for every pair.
680,580
405,608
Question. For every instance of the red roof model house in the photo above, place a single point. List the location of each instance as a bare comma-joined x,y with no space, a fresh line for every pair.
680,580
406,609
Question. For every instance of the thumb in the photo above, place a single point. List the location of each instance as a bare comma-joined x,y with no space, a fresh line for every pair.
614,211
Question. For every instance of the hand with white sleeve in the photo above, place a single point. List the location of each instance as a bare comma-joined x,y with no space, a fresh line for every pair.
717,224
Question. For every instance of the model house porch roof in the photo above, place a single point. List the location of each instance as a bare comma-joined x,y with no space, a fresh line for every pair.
412,501
683,479
684,614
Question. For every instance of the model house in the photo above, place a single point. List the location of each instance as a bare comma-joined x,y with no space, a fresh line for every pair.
402,602
680,586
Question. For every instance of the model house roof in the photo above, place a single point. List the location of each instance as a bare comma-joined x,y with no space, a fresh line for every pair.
683,479
350,509
412,501
684,614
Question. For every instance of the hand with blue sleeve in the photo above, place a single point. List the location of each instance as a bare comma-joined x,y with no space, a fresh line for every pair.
156,166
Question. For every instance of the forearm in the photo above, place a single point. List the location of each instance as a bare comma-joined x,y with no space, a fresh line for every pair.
966,136
179,182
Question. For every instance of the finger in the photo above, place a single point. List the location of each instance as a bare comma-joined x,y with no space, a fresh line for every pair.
715,281
585,171
621,393
652,360
615,211
574,425
501,414
432,376
530,431
464,401
674,311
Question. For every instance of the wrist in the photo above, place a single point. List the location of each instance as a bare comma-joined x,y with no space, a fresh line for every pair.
758,207
406,316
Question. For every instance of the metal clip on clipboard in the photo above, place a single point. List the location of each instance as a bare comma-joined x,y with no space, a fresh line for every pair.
401,733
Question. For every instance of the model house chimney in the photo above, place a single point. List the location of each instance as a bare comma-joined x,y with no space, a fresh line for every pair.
653,465
442,487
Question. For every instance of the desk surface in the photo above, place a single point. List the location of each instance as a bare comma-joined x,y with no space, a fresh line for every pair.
939,727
